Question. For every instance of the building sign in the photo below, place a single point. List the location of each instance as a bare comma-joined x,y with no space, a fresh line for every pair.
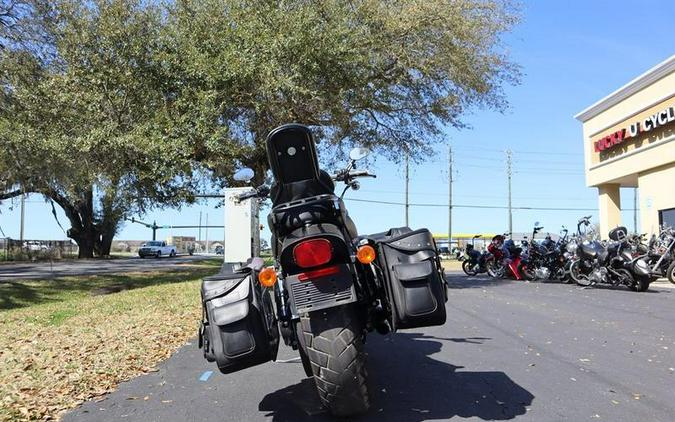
654,121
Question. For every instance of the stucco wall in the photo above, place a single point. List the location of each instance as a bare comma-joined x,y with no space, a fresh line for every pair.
657,192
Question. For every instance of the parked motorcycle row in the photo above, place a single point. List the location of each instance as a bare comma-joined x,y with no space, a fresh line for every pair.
623,260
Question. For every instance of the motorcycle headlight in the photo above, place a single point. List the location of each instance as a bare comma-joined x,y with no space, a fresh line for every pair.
572,248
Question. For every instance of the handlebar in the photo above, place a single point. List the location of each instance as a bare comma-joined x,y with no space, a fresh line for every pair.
259,192
346,176
585,220
361,173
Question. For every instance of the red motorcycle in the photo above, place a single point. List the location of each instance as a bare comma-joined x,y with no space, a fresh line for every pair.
503,264
495,262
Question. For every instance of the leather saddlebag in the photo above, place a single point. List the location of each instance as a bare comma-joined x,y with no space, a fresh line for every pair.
414,280
239,328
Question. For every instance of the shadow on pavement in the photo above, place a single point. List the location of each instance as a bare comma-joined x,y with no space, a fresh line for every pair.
465,282
408,385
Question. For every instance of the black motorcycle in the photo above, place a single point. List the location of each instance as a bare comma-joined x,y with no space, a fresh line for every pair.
476,262
545,260
596,263
329,286
660,254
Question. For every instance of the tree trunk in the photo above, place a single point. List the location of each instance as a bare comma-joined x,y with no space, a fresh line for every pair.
105,243
82,228
86,244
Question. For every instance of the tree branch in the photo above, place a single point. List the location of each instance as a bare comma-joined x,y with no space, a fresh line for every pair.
9,195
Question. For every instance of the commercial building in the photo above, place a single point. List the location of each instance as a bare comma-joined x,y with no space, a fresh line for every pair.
629,141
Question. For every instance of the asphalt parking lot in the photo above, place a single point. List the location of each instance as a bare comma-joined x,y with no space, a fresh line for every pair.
510,350
46,270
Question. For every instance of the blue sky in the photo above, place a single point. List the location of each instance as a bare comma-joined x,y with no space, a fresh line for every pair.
572,54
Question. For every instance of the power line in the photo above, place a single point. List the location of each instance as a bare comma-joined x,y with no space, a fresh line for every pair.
573,154
529,152
440,194
472,206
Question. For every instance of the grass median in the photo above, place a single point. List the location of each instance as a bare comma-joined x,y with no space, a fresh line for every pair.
68,340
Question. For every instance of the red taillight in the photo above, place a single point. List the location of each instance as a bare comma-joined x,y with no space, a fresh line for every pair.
312,253
323,272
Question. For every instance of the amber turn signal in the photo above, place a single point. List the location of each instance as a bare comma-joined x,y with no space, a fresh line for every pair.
366,254
267,277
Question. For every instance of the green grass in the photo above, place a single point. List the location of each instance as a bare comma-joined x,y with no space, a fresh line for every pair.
18,294
67,340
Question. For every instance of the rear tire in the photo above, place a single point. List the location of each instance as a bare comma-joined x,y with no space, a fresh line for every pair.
468,268
641,284
495,269
671,272
334,344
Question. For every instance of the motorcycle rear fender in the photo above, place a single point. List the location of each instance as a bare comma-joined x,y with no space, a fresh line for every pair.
322,292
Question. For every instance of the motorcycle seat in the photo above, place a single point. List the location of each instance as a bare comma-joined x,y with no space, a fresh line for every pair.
384,236
289,216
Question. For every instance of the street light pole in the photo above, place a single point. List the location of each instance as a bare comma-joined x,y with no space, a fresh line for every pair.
23,215
509,173
450,198
207,232
407,180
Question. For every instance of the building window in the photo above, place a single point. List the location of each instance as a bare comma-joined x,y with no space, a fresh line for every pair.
667,217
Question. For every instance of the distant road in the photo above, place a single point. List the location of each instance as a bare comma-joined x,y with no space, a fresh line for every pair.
47,270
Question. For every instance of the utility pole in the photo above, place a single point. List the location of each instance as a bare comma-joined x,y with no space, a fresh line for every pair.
449,197
199,238
635,209
207,232
509,173
407,180
23,215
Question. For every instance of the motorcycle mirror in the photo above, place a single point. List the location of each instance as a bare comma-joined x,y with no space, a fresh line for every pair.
536,223
244,175
358,153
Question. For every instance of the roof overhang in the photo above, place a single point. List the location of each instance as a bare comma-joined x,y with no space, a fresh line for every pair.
649,77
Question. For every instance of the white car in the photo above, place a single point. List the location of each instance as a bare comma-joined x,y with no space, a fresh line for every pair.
33,245
156,248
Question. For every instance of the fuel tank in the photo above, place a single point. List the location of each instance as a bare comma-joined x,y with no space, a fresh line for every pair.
594,249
